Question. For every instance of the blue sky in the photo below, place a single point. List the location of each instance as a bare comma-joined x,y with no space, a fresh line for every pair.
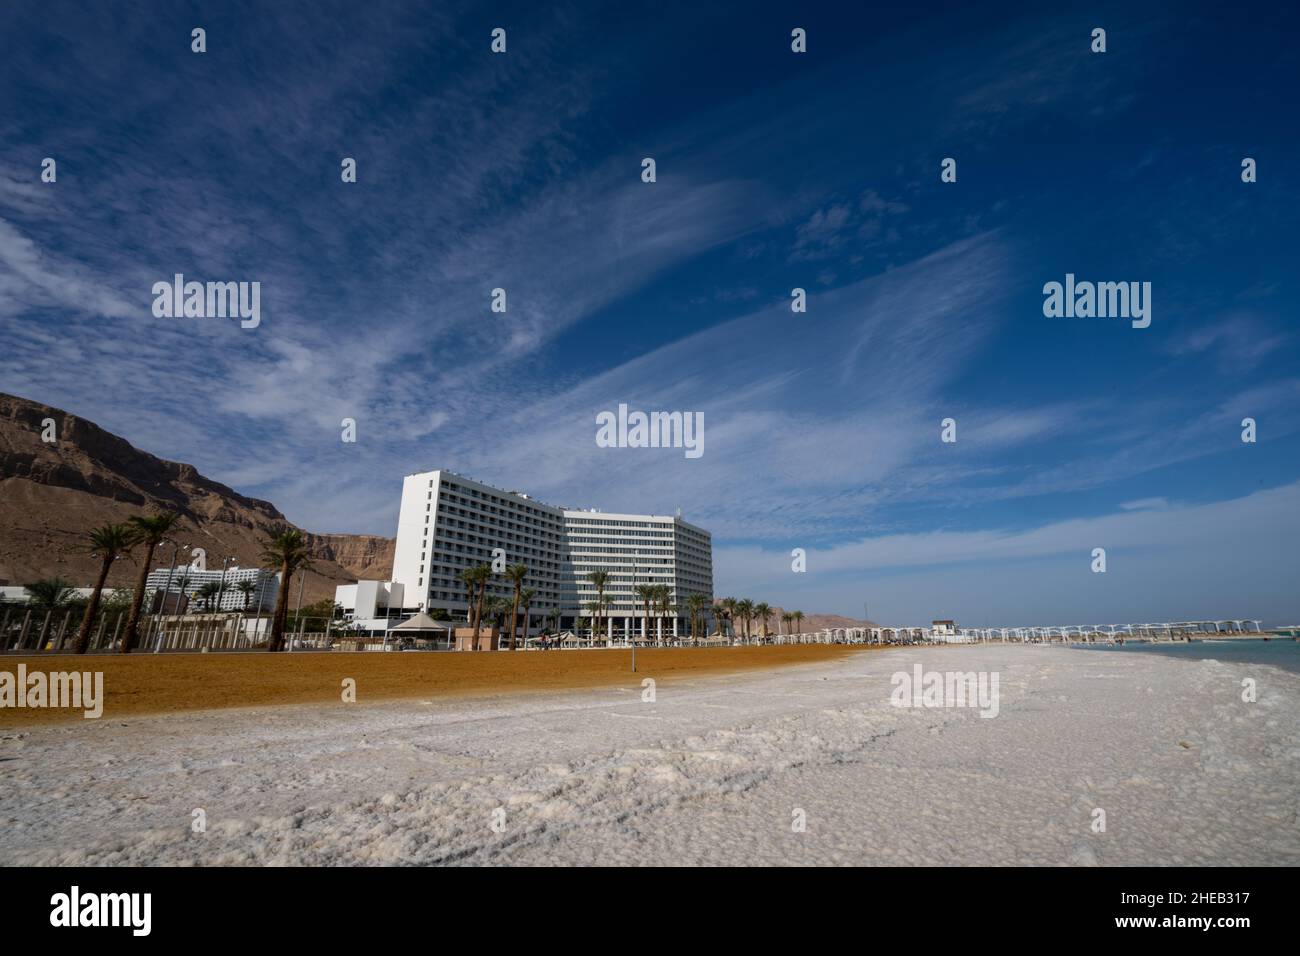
775,170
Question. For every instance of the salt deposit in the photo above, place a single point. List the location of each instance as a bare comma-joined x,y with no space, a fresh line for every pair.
715,770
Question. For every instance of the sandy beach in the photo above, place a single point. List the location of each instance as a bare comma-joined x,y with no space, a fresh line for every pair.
716,770
145,683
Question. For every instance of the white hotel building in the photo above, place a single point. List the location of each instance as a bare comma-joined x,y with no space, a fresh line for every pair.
449,523
187,580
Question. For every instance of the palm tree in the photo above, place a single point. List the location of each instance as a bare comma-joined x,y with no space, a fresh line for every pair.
646,593
593,609
798,621
745,609
49,594
481,574
107,542
207,593
246,588
654,611
286,552
468,578
494,609
763,611
787,619
694,607
526,596
516,574
599,579
663,607
729,613
150,532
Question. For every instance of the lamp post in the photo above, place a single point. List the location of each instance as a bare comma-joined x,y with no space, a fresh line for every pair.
222,586
167,589
636,571
302,580
261,596
220,590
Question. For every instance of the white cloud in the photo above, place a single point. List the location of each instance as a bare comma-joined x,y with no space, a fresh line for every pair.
1224,558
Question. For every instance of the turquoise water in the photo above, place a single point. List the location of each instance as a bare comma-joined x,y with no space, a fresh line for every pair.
1279,652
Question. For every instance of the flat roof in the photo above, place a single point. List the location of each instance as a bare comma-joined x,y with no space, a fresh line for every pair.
565,512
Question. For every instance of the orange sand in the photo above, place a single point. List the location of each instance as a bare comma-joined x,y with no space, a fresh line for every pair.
160,683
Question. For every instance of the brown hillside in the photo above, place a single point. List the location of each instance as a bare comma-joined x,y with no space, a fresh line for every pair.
50,493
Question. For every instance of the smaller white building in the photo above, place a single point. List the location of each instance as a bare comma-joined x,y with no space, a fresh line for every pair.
370,604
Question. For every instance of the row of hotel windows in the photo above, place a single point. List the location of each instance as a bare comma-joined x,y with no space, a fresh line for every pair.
455,563
666,524
481,545
578,580
582,566
529,548
498,504
574,529
453,516
492,503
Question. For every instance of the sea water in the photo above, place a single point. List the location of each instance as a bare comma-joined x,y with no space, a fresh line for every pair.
1282,652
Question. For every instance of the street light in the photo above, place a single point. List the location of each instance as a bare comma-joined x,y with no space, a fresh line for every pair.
162,605
636,571
261,598
221,590
302,580
222,587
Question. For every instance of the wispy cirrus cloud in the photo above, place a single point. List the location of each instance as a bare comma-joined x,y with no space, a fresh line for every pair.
775,171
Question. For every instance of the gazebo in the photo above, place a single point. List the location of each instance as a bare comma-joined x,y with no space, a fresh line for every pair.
421,627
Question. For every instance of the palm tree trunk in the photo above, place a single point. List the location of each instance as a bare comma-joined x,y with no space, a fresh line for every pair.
133,621
281,611
514,618
478,613
83,635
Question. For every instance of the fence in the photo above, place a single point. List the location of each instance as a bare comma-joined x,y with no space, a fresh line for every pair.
31,630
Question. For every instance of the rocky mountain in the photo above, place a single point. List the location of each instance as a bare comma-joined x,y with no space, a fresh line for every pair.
51,492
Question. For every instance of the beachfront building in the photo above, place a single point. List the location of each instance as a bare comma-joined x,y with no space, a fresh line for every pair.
187,580
636,550
370,605
449,523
